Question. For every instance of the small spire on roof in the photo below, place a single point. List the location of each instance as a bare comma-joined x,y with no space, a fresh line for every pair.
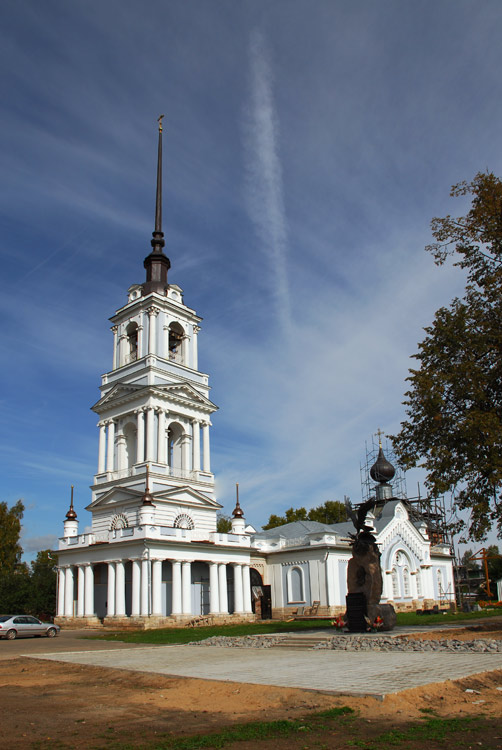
157,264
147,497
237,511
71,515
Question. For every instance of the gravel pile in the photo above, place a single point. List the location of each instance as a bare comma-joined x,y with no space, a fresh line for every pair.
361,643
384,643
246,641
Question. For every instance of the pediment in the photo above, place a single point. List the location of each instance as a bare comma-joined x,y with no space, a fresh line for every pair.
186,496
187,394
116,496
118,392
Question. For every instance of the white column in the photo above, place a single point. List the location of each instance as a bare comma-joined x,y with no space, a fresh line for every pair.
150,414
61,592
176,603
89,591
110,452
161,438
196,445
136,579
246,587
152,330
222,572
186,575
80,591
187,453
140,437
140,340
214,597
122,349
157,588
164,351
121,452
120,589
145,587
114,364
238,600
195,363
110,610
102,447
68,592
206,463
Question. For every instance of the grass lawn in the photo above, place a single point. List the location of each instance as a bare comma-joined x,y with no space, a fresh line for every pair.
185,635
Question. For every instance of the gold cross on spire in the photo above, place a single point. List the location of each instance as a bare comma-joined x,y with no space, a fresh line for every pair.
159,120
379,433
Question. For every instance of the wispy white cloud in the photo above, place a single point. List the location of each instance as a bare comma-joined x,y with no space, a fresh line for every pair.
264,176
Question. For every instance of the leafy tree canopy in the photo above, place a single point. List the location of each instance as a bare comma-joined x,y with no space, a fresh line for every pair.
10,531
223,523
454,404
332,511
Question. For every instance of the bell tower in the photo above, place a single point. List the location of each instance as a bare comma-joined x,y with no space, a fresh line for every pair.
154,411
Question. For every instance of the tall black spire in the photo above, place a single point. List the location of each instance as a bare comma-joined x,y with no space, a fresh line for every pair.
157,264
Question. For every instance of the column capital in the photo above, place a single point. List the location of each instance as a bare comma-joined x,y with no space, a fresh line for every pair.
114,329
196,329
153,311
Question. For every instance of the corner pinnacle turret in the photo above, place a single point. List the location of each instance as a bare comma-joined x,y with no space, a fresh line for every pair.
157,264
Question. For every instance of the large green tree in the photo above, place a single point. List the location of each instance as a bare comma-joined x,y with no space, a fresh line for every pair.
332,511
454,404
42,598
10,531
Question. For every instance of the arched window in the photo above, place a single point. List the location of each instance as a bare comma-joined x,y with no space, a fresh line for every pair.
130,434
395,584
119,522
132,342
174,446
295,585
440,582
419,583
183,521
176,336
406,582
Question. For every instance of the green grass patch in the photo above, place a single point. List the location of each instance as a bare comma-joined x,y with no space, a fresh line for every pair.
433,730
411,618
186,635
255,731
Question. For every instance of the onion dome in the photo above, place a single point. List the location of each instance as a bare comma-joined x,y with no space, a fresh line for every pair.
237,511
382,470
71,515
147,497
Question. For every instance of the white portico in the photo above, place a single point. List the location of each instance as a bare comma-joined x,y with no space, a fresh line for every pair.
153,551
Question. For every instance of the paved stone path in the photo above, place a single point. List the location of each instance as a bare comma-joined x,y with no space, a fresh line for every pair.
347,673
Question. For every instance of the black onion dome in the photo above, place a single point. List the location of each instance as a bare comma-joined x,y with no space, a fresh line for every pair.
382,470
71,515
237,511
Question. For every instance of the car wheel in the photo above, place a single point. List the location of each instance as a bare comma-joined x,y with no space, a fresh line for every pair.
11,635
51,632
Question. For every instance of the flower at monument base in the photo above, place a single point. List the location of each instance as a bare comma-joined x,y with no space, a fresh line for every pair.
378,623
339,622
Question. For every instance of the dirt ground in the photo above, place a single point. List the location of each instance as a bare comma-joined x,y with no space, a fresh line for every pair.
56,705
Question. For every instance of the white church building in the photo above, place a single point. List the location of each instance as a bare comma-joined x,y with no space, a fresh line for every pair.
153,555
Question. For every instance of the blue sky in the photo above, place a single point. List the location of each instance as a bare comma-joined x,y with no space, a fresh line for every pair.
308,143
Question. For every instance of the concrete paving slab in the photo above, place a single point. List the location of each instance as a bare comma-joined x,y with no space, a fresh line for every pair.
341,672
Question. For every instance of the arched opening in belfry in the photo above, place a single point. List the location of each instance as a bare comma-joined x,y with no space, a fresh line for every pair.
130,434
174,446
132,342
176,335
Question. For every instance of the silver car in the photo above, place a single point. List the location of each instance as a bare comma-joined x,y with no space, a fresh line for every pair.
22,626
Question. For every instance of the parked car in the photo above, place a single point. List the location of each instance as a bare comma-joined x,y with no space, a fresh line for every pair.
22,626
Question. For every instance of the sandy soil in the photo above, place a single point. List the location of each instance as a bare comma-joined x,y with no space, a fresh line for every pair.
56,705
